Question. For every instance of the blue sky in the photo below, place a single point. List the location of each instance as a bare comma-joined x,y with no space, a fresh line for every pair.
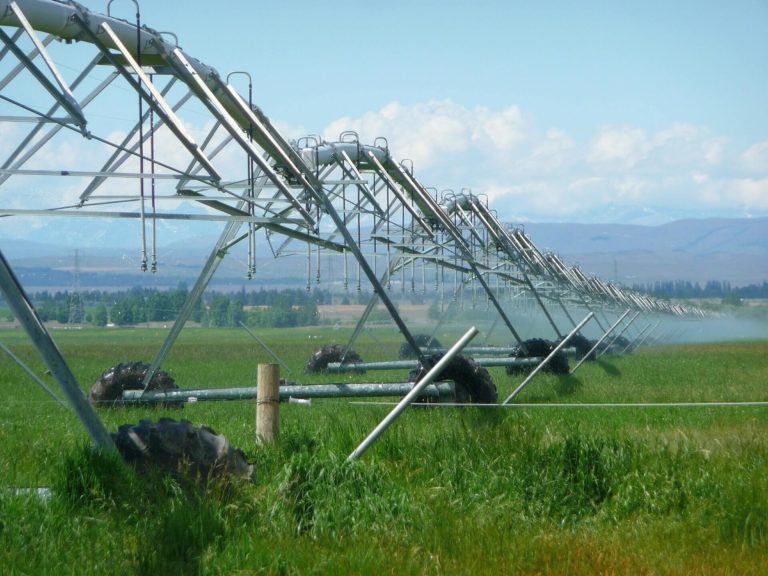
641,111
569,65
572,65
638,112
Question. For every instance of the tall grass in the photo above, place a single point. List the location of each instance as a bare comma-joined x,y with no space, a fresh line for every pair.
445,491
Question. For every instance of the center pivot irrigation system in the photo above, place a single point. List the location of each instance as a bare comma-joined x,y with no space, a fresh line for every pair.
103,117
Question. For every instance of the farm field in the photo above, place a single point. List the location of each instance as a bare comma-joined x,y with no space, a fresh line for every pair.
521,490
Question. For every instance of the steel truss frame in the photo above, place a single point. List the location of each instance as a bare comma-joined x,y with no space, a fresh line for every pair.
344,198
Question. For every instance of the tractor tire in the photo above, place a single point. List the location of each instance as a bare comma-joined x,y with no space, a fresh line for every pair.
329,353
181,450
108,389
423,341
539,348
583,345
474,384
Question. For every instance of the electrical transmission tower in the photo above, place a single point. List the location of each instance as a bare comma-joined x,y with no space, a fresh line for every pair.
75,298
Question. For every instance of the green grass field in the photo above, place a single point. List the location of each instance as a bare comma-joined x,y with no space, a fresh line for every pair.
528,490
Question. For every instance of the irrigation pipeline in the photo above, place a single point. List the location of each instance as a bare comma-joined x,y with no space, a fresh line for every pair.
301,175
758,404
459,234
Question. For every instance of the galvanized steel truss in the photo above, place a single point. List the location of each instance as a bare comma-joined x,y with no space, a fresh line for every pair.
143,110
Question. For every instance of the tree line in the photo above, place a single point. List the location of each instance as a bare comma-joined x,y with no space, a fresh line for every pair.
259,308
277,308
684,290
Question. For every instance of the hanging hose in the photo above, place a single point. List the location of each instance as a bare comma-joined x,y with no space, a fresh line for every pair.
359,236
374,228
405,264
152,185
344,252
251,191
389,244
141,147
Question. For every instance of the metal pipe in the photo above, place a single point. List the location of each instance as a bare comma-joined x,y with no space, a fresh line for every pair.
489,361
412,395
340,367
477,350
25,313
603,337
644,339
617,336
286,392
631,345
371,303
541,366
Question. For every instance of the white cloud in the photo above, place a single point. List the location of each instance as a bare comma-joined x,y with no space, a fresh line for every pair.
504,130
546,174
714,150
751,193
619,148
755,158
555,151
424,133
527,171
435,132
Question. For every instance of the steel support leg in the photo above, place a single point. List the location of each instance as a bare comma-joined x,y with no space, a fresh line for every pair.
369,308
428,378
546,360
597,344
226,240
631,345
26,314
617,336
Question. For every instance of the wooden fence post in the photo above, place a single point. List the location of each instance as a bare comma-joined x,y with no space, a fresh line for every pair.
267,403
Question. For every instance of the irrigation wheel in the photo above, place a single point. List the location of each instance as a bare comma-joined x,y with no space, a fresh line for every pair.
329,353
583,345
180,449
539,348
108,389
474,384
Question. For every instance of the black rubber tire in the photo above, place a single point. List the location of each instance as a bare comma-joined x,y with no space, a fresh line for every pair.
423,341
559,362
582,344
539,348
474,384
108,389
329,353
181,449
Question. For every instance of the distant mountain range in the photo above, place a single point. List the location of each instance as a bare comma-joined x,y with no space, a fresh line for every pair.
732,250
